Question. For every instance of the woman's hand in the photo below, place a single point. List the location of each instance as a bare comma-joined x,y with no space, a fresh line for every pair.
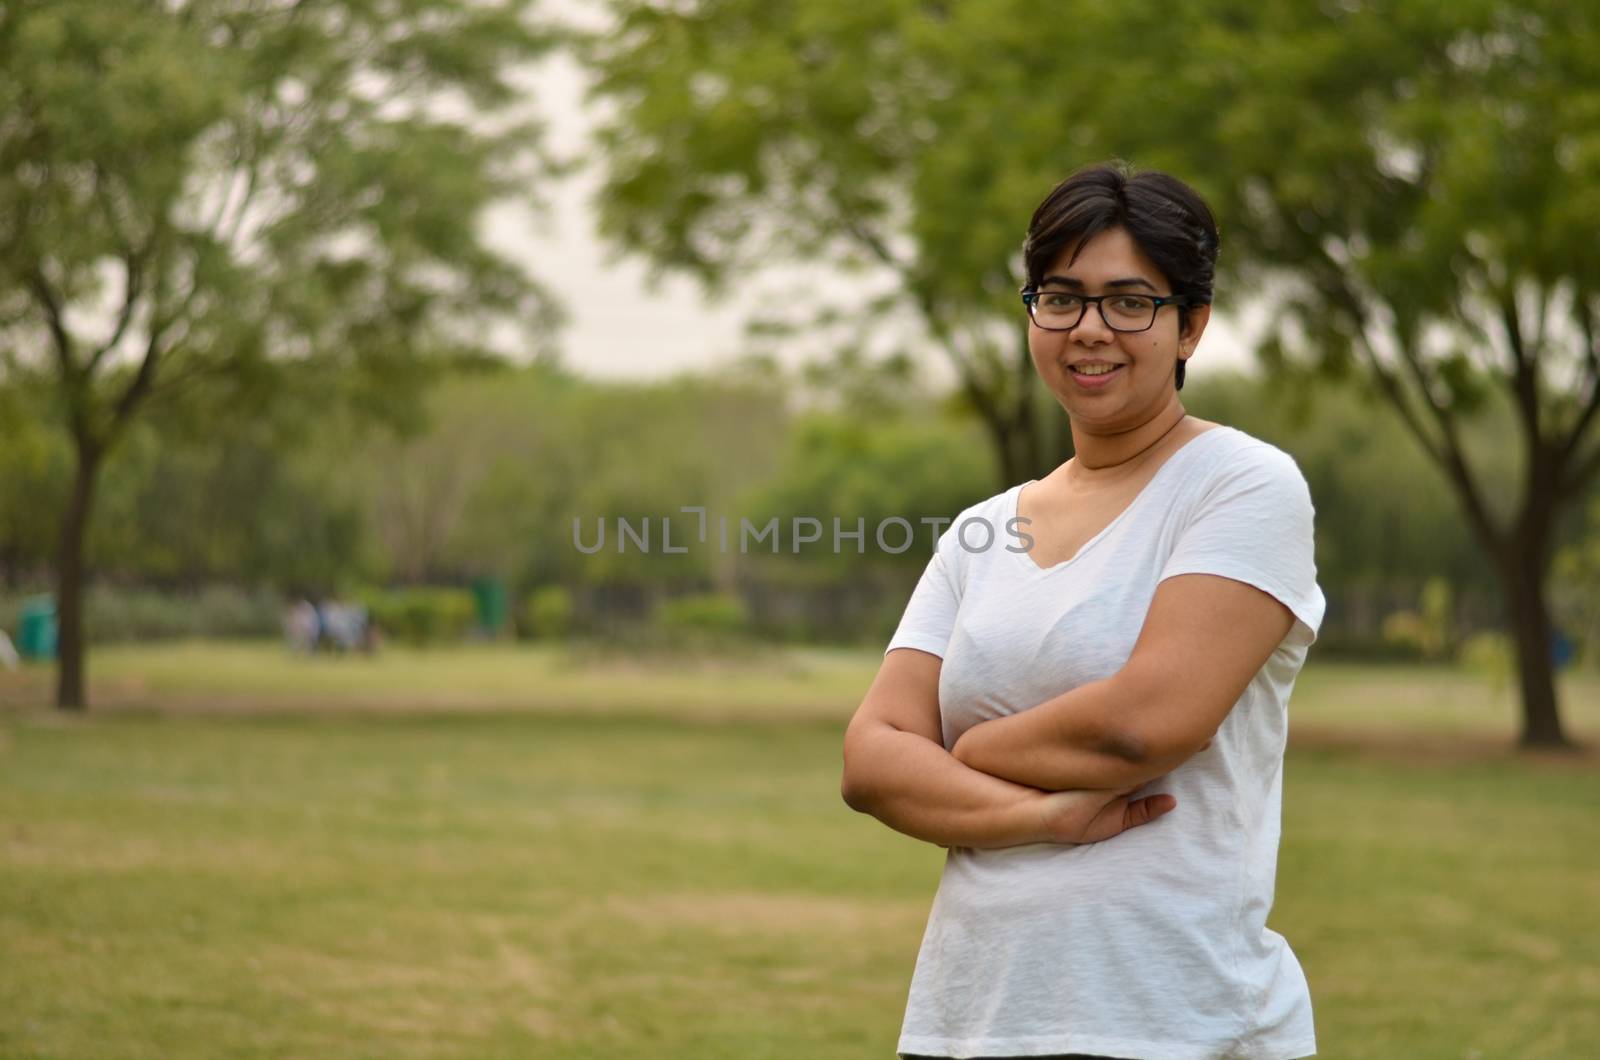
1092,816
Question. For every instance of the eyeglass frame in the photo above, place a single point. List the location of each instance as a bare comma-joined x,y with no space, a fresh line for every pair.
1031,293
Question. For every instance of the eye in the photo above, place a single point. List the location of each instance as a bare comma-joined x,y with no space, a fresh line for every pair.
1130,303
1058,300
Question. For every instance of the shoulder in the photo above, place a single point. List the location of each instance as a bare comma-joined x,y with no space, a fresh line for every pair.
1238,457
1236,479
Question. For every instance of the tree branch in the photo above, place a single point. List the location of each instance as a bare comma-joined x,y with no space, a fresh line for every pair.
138,389
55,319
134,289
1447,453
1570,485
983,402
1351,304
1454,457
135,392
1524,381
877,247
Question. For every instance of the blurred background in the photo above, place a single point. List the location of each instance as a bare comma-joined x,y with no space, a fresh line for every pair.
332,333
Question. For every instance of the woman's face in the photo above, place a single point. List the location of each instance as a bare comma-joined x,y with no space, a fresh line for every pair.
1142,384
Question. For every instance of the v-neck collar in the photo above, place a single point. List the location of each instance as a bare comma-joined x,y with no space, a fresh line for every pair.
1016,498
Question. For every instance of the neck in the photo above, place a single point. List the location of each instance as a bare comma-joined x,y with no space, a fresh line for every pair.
1105,450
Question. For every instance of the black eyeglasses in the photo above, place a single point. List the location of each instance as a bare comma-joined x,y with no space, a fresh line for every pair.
1063,310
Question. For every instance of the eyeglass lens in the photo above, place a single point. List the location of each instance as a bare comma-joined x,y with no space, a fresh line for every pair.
1121,312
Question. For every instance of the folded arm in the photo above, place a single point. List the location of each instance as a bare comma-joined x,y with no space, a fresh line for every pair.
897,769
1203,640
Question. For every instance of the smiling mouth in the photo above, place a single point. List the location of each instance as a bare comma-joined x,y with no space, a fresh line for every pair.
1094,371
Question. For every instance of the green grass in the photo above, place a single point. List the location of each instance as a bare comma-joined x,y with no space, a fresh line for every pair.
495,853
258,676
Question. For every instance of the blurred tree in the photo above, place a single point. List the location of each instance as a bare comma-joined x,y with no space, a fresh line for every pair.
1577,601
748,132
33,477
513,455
251,502
1419,182
1386,520
196,196
1414,185
864,472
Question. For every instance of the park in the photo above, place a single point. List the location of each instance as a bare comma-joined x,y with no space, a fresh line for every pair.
455,458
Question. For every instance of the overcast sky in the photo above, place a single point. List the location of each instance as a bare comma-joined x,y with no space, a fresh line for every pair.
673,327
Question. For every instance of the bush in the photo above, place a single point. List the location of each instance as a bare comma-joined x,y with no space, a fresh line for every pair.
1490,655
702,620
1335,643
114,613
1406,633
423,615
547,613
1428,633
119,614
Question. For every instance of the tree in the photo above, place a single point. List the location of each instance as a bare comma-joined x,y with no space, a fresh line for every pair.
747,132
1420,182
1413,185
199,197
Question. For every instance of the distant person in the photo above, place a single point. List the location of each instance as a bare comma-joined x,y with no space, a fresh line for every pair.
344,627
301,627
1090,710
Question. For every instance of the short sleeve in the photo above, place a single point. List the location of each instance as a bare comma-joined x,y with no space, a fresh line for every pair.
1255,525
930,615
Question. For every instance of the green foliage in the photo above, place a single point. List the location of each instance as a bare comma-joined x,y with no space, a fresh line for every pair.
1491,656
864,472
256,500
1411,186
205,205
548,613
1576,594
215,611
422,615
305,501
702,620
511,457
1385,518
1428,633
118,614
268,187
1411,178
35,464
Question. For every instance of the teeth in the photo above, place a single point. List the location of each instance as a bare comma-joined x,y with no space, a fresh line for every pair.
1096,369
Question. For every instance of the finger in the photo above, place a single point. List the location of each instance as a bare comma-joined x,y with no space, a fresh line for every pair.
1143,811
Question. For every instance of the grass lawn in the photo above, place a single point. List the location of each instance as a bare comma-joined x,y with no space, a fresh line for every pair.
499,853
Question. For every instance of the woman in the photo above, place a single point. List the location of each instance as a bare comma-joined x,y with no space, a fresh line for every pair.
1086,697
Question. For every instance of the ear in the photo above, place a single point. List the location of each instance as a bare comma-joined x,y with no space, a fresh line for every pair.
1194,325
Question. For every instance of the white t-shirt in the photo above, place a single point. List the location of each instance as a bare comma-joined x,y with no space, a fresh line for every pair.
1152,944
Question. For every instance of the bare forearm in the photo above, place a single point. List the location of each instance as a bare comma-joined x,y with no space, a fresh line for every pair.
916,787
1075,740
1058,768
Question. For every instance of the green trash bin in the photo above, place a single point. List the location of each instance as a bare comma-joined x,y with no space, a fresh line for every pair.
36,629
489,594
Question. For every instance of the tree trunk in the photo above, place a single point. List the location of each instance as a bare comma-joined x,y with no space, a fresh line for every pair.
70,578
1523,572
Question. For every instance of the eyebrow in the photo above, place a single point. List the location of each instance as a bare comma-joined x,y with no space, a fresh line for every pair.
1077,285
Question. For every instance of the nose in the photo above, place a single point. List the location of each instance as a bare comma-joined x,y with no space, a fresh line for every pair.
1092,330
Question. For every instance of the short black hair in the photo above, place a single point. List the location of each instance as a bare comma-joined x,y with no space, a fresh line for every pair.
1167,218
